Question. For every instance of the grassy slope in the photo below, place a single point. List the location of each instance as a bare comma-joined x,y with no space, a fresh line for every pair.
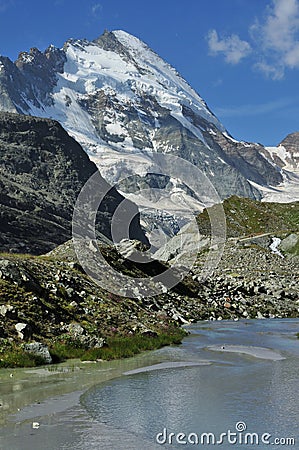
246,217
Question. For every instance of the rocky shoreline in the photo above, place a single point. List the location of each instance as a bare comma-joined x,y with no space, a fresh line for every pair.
48,300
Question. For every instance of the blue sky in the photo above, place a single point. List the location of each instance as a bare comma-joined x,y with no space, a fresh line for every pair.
242,56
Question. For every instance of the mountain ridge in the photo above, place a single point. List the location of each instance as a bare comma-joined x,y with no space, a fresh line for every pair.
42,171
118,99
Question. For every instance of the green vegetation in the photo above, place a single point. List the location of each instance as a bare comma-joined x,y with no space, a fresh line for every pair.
12,355
125,347
117,346
19,358
249,217
60,351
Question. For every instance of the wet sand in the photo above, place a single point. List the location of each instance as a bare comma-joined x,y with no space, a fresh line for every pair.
168,365
256,352
22,387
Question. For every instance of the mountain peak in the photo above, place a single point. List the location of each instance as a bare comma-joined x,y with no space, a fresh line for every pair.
119,98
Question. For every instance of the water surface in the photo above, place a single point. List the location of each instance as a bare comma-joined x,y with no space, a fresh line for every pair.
259,390
197,387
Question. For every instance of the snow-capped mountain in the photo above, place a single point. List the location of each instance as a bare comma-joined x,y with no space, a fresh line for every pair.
285,156
119,99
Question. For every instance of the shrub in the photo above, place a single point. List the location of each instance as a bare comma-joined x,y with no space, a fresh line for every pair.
60,351
20,358
125,347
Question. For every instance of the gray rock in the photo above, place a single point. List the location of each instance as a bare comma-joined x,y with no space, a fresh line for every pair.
20,328
132,250
43,170
79,334
183,247
289,242
4,309
260,315
39,349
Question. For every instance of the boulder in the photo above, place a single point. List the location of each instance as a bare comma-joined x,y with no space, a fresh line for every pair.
38,349
22,329
289,242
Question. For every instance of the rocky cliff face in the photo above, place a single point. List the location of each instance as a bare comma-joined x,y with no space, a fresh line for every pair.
42,171
286,154
118,98
291,145
30,80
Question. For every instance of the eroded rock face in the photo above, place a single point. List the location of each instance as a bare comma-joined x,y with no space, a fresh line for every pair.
285,155
291,144
30,80
42,171
247,158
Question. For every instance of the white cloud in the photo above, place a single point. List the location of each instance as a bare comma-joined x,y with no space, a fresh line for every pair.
232,47
280,27
217,82
274,71
274,40
96,9
292,56
278,37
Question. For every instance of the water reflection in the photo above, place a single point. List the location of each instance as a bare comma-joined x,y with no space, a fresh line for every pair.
262,393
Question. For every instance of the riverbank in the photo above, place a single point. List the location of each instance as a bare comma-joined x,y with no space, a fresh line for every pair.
34,386
113,347
50,300
51,310
40,407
